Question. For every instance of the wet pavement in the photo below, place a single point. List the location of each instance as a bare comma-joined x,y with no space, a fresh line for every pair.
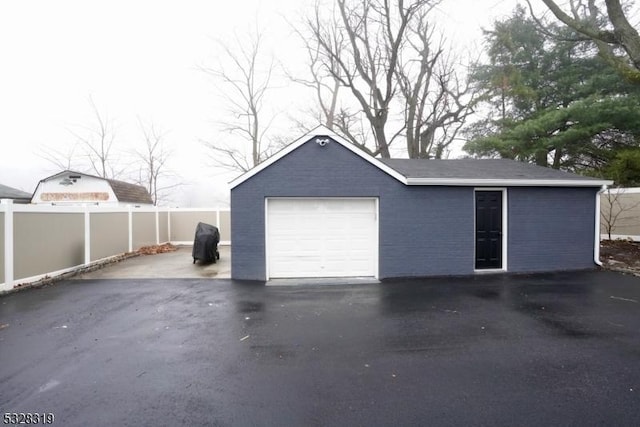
169,265
558,349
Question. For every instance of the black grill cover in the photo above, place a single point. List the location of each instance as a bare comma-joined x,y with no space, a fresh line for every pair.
205,244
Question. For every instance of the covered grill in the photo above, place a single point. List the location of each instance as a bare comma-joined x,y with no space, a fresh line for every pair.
205,243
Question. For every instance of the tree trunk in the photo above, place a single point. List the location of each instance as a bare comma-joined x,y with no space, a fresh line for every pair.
542,158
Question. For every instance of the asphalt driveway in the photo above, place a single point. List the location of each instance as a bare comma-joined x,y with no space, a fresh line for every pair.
559,349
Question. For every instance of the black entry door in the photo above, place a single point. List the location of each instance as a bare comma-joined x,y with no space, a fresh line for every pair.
488,229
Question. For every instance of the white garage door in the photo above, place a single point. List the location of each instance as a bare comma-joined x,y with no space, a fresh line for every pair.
322,237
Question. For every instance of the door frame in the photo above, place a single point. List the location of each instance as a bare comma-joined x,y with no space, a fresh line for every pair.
505,230
376,201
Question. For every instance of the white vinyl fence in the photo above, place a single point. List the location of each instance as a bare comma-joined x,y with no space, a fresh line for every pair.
38,241
620,213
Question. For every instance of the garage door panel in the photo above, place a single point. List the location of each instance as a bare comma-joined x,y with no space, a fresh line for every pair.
321,237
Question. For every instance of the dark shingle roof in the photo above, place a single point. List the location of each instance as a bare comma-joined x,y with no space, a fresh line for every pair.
478,169
7,192
130,193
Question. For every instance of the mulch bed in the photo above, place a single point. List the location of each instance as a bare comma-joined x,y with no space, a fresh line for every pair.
620,254
157,249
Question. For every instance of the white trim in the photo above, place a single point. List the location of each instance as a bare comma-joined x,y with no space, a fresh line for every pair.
7,205
504,256
468,182
596,234
30,208
505,230
376,258
318,131
87,235
130,218
623,190
157,226
169,210
266,238
376,200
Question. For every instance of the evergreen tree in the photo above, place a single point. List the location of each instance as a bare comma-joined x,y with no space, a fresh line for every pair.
551,101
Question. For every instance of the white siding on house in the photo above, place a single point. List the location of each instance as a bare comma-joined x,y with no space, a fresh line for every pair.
63,190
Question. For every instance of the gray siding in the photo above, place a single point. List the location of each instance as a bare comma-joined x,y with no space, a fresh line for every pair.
551,228
424,230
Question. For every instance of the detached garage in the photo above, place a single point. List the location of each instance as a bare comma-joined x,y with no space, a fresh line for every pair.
324,208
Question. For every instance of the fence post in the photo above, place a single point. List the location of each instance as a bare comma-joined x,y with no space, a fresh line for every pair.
169,224
157,227
130,215
8,243
87,235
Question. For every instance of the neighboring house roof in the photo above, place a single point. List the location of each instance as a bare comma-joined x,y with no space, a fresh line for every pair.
130,193
453,172
125,192
7,192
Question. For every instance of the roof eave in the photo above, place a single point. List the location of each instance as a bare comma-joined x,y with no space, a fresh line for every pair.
508,182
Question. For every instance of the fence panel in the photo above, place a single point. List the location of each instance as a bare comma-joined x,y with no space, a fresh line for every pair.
48,240
620,213
183,223
225,226
109,234
45,242
144,229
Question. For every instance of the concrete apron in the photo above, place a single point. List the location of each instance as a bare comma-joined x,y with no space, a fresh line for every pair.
170,265
328,281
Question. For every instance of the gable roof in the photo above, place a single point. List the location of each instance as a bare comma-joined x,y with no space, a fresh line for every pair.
7,192
125,192
446,172
318,132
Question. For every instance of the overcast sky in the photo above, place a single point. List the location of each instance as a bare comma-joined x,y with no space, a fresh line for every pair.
139,59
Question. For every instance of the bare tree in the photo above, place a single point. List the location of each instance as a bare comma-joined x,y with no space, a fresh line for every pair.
244,86
375,33
94,150
613,211
321,77
60,158
611,31
437,102
97,142
153,171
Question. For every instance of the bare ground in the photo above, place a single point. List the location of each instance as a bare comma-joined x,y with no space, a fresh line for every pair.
620,255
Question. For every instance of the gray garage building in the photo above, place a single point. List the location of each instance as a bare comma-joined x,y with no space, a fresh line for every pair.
322,207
